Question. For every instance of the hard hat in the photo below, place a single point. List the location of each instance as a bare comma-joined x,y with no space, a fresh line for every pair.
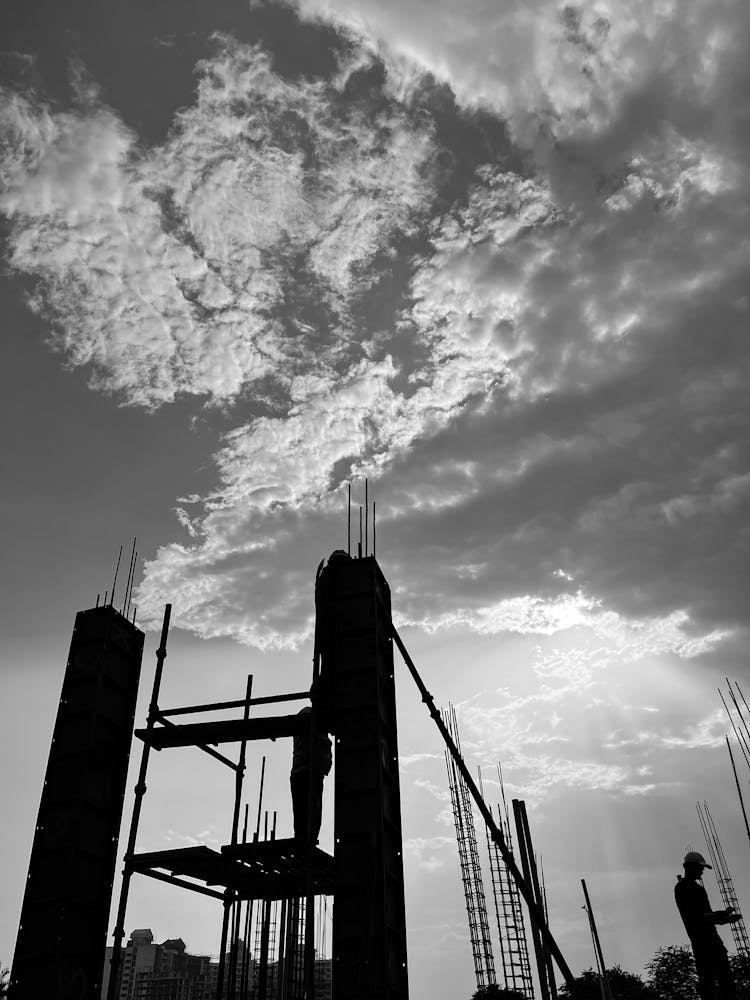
695,858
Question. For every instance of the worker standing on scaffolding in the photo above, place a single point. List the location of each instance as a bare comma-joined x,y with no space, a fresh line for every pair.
311,762
715,981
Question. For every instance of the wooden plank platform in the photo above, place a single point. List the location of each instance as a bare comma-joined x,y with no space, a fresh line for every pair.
287,860
273,869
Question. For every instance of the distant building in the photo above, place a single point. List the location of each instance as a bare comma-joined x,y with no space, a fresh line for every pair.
167,971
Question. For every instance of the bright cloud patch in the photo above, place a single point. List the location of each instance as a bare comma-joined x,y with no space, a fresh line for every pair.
170,270
539,357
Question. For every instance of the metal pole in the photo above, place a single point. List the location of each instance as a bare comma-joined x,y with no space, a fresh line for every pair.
309,960
535,911
604,981
223,945
140,791
281,979
239,775
525,849
538,893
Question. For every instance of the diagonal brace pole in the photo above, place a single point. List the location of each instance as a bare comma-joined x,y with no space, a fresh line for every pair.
534,909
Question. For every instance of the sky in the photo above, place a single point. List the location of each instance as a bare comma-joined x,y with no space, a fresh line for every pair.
494,258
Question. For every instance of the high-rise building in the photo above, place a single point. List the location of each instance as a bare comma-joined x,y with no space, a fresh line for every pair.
166,971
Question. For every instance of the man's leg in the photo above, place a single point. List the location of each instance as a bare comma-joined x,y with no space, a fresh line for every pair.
704,966
317,807
300,792
724,977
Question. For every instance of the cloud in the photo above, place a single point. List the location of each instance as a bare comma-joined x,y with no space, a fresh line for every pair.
427,851
172,270
561,71
540,361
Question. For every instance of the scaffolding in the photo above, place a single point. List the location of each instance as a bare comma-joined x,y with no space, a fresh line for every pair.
268,887
723,878
471,871
260,873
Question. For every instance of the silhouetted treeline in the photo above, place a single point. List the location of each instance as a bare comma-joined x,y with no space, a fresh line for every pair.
670,975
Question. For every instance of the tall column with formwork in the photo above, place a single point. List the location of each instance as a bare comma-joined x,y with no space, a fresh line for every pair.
369,926
62,934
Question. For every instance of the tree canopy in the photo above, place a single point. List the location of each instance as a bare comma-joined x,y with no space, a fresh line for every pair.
672,975
624,986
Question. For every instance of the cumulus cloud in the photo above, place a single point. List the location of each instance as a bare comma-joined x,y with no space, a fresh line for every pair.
561,71
170,270
430,852
541,360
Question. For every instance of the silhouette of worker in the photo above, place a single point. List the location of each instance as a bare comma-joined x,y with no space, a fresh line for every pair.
311,762
715,980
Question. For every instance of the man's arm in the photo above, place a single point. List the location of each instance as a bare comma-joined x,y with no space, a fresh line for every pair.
727,916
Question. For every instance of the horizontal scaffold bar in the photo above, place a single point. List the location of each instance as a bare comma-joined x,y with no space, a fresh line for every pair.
190,734
217,706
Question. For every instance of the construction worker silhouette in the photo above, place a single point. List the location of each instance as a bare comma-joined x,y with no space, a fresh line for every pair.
715,981
311,762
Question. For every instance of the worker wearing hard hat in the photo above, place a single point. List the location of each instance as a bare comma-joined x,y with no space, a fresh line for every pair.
715,980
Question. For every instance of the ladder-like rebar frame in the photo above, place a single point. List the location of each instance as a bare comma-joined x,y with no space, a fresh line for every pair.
471,871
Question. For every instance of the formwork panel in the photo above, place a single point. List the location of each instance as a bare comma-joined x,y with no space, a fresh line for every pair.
63,928
369,939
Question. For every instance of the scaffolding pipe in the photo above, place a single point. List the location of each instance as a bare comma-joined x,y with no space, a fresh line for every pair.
546,958
537,917
140,791
603,979
523,850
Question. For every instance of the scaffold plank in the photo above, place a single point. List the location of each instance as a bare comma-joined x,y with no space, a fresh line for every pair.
275,869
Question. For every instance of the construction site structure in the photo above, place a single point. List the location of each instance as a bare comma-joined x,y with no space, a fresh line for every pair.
514,950
723,878
369,921
353,693
268,887
471,870
63,926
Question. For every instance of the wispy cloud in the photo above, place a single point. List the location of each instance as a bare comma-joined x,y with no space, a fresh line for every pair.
515,351
430,853
174,270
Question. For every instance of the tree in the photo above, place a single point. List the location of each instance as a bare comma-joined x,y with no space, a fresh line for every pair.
624,986
672,975
741,972
4,981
